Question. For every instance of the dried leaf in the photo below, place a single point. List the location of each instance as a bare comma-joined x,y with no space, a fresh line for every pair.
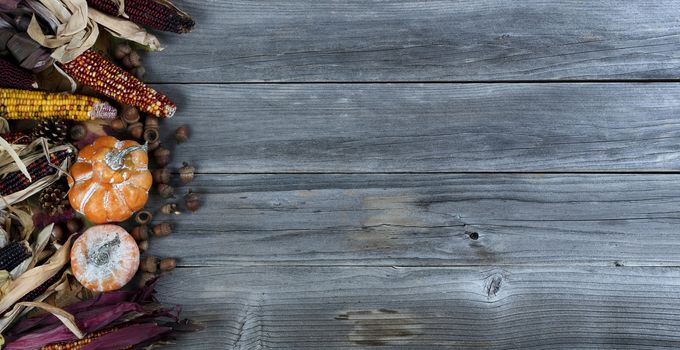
40,243
23,214
66,318
6,147
4,125
34,277
33,152
74,35
125,29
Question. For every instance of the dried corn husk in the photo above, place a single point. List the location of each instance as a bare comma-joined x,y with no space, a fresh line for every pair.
39,243
30,280
79,27
39,32
27,155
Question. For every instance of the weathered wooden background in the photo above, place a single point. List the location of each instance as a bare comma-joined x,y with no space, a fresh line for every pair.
428,174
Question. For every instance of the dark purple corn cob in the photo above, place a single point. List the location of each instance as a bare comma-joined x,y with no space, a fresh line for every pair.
12,76
39,290
155,14
16,181
17,137
13,254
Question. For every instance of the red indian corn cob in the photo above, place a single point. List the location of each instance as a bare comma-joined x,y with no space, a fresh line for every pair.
13,76
16,181
93,70
13,254
155,14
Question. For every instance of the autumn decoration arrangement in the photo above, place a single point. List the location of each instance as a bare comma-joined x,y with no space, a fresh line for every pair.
81,155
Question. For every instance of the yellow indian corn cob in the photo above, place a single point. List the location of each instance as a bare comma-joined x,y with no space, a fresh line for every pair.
25,104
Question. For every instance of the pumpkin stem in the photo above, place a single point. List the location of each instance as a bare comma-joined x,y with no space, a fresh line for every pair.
115,159
102,255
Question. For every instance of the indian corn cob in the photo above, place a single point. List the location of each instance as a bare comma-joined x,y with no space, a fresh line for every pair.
17,137
155,14
24,104
39,290
13,254
77,344
93,70
16,181
12,76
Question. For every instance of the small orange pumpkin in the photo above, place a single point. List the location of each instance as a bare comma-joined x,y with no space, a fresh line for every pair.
104,258
110,180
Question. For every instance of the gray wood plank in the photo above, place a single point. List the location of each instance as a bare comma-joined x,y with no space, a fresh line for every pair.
428,128
428,220
419,40
428,308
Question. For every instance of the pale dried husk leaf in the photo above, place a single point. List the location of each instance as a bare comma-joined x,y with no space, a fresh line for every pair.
6,147
122,28
30,280
31,153
79,29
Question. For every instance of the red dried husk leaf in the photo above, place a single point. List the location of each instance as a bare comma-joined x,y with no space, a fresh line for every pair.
112,320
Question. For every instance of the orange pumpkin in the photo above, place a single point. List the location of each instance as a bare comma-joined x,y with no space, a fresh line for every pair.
110,180
104,258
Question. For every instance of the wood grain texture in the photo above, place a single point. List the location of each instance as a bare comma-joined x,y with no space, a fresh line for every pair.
428,128
419,40
428,220
428,308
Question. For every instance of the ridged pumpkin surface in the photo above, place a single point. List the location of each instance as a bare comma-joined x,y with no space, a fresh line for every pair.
103,194
104,258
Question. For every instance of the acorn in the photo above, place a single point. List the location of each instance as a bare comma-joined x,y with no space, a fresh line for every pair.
143,246
145,277
192,201
138,72
167,264
121,50
151,135
143,217
118,124
74,225
130,114
140,233
153,145
162,176
135,59
162,229
170,208
182,134
127,63
58,234
186,173
162,156
136,130
77,132
151,122
165,190
148,263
